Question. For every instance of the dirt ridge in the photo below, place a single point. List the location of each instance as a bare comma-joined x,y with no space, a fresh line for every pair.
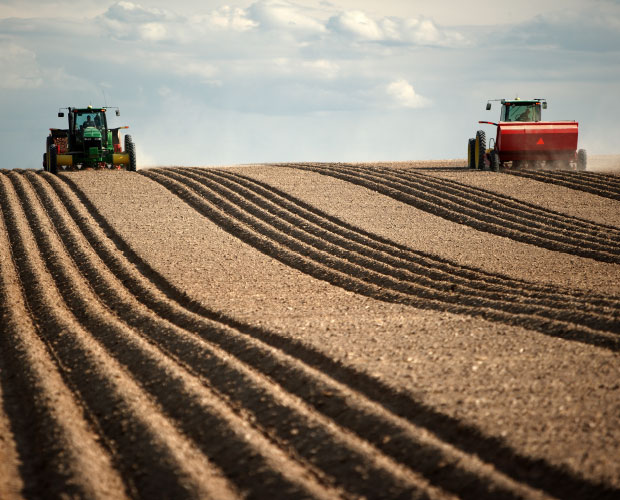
269,235
251,387
473,214
169,340
432,266
73,326
450,430
196,356
443,274
284,428
605,185
516,210
50,432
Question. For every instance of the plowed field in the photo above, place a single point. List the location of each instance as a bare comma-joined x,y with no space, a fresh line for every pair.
389,331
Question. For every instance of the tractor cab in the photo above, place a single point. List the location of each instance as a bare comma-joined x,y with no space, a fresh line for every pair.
79,119
521,111
88,128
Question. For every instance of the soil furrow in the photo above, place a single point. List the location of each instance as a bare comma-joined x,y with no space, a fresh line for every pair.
450,430
429,265
474,486
596,177
163,463
500,209
511,208
173,360
399,281
367,256
47,446
11,305
597,186
576,205
11,483
588,179
492,205
345,458
480,221
326,266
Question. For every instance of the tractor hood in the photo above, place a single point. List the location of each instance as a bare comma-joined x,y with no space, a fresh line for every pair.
92,133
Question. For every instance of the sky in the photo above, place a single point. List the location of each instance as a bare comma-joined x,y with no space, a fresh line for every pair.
210,82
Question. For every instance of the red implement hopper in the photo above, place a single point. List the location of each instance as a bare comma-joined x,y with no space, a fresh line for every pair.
523,140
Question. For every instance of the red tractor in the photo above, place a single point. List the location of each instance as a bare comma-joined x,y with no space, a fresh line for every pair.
523,140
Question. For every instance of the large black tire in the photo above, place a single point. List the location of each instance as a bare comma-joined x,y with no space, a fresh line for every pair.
471,151
494,161
48,143
480,149
130,149
52,157
582,159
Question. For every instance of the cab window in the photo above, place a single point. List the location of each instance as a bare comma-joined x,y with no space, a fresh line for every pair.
89,119
521,112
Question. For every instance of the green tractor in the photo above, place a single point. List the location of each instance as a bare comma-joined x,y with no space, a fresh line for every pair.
88,143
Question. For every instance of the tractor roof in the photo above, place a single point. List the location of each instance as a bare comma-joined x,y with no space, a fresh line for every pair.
88,109
521,101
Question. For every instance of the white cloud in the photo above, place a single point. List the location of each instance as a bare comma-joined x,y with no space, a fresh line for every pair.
416,31
227,18
422,31
18,67
357,24
404,95
153,31
129,12
131,21
281,14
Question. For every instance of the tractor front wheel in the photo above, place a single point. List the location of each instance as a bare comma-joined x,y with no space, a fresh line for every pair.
480,149
582,159
471,152
130,149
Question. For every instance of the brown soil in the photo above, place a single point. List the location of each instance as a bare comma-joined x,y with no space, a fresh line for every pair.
409,330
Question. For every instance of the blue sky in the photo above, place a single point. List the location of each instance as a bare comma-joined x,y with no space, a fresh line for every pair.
228,82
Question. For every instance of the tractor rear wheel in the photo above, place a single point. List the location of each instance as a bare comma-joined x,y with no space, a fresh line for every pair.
480,149
52,159
471,152
582,159
130,149
494,161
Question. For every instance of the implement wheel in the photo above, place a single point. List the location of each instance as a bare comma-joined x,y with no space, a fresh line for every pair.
48,143
130,149
52,159
480,149
494,161
582,159
471,152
